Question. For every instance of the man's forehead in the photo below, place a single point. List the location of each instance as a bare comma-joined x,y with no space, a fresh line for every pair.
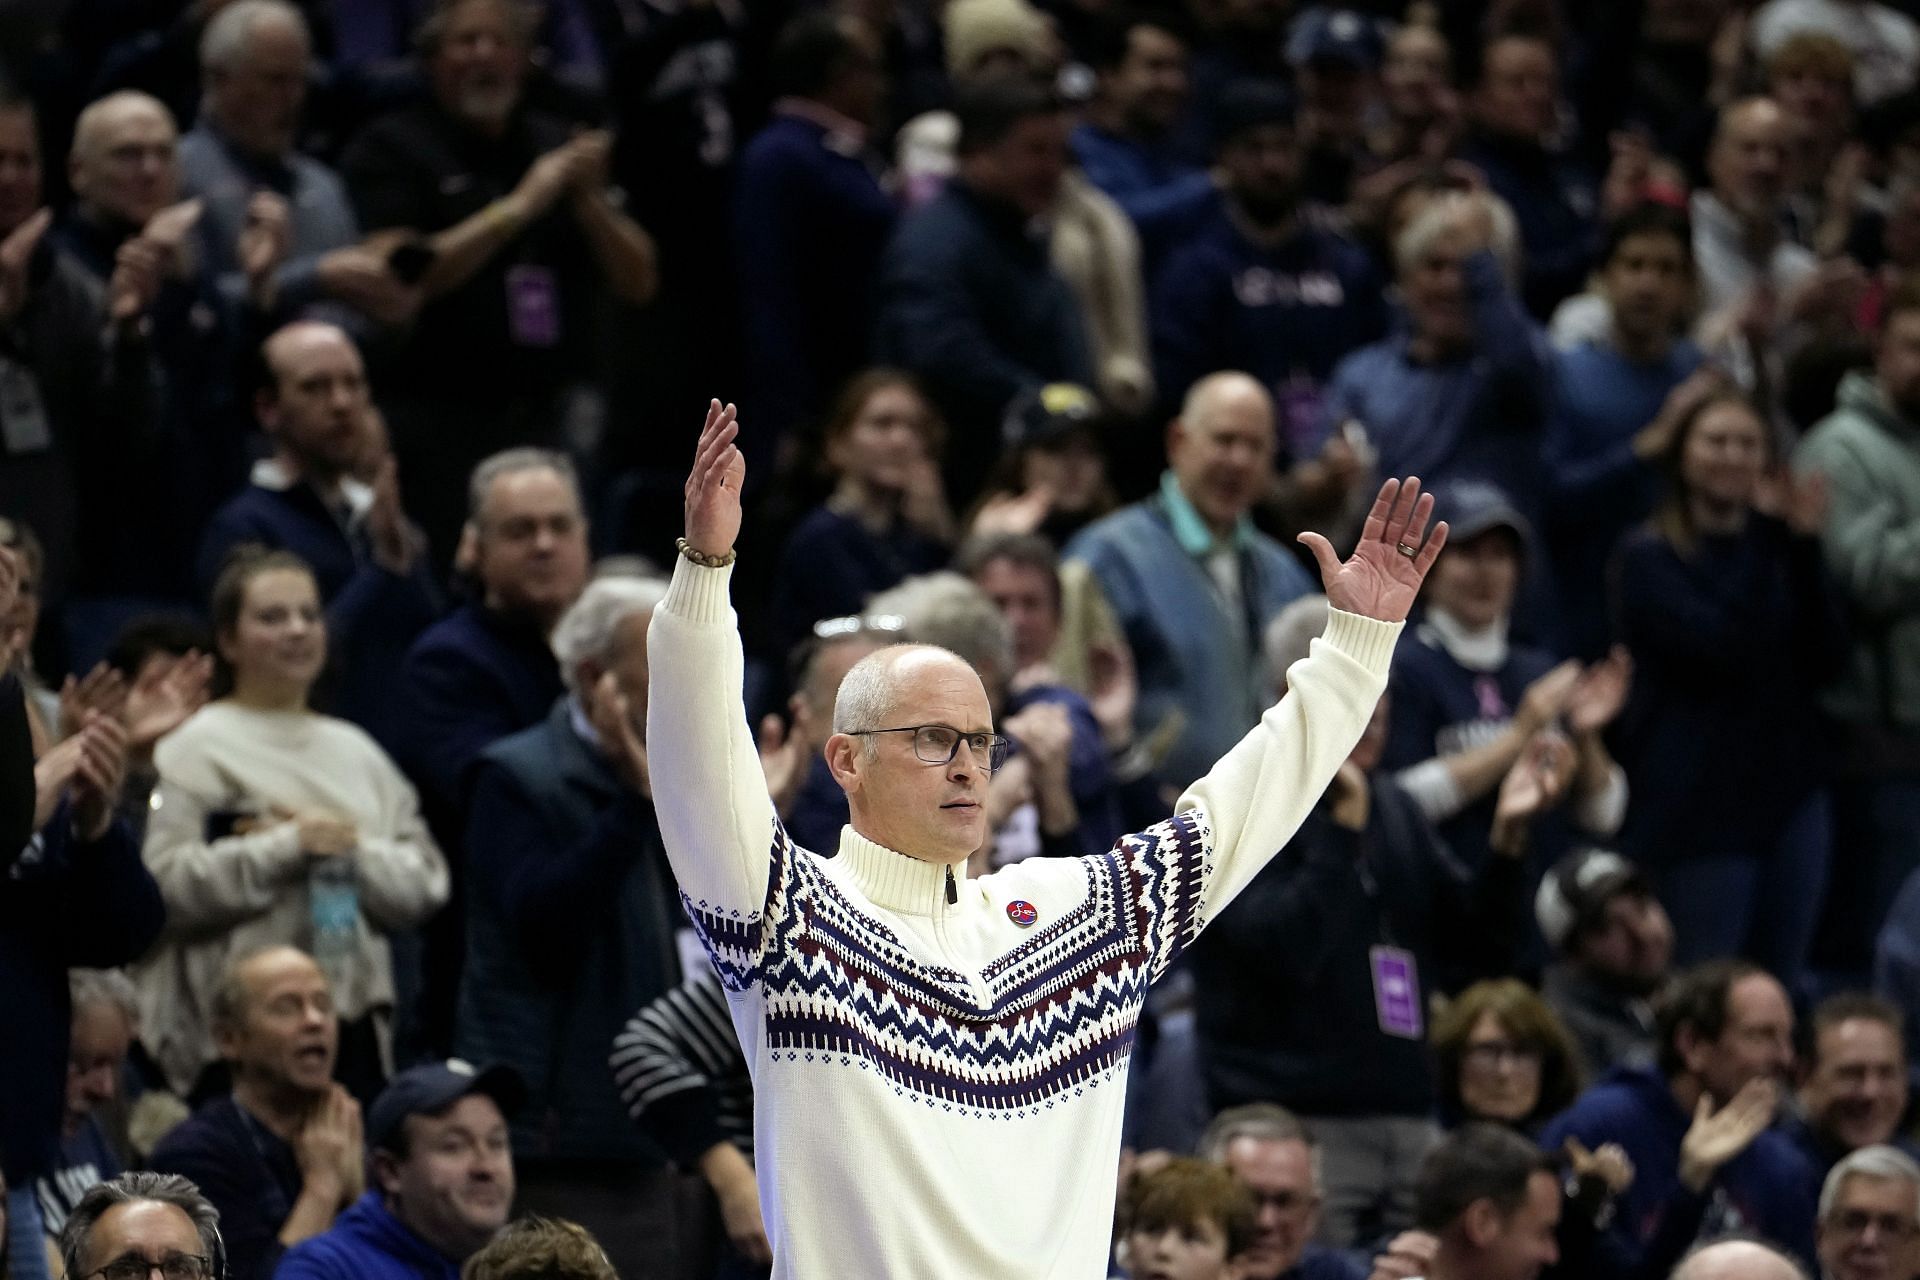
1858,1037
280,972
1262,1161
530,491
147,1225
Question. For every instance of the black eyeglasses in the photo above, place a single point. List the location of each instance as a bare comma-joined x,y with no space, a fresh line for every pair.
1491,1053
939,744
1891,1225
175,1266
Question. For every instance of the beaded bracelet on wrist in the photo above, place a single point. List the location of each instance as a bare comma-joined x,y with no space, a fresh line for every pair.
701,558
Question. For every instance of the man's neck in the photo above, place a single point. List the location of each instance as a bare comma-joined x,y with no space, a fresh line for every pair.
1267,233
1451,1262
322,480
1687,1091
1642,348
875,509
281,1111
456,1251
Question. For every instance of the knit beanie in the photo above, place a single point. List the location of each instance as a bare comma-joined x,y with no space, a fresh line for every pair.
976,28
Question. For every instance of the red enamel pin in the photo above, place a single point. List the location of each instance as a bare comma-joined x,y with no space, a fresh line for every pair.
1022,912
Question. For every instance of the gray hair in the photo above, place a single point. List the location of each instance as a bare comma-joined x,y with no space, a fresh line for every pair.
1261,1121
509,462
103,986
871,688
224,43
131,1188
1436,218
948,611
1877,1161
587,629
1291,634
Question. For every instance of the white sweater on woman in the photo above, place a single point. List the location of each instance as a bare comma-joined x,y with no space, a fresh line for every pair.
228,895
938,1087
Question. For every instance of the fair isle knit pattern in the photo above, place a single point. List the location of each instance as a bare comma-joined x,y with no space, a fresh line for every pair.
840,985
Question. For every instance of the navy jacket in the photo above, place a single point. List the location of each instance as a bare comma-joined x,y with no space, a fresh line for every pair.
810,221
1720,739
970,301
63,903
1283,979
1287,314
373,615
832,563
570,922
250,1174
1556,204
470,680
367,1243
1763,1190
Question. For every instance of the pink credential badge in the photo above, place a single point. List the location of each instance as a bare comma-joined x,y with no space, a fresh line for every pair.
1022,912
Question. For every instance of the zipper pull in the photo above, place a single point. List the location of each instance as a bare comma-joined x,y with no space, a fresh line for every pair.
953,890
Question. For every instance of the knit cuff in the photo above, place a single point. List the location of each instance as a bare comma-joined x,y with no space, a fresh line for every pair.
1367,641
699,595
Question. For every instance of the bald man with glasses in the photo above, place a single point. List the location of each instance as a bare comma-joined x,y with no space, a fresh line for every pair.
938,1060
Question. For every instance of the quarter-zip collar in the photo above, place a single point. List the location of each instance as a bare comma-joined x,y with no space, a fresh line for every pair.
897,881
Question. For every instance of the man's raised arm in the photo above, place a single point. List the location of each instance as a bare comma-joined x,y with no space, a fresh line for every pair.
1258,794
708,790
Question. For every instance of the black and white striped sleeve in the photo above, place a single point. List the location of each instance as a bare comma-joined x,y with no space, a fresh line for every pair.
681,1073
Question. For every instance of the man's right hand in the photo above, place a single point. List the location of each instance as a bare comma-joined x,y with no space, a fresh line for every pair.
329,1148
713,486
1547,697
1410,1254
1717,1136
546,181
359,277
16,251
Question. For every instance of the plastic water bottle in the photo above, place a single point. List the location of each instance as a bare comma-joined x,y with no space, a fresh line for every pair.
334,907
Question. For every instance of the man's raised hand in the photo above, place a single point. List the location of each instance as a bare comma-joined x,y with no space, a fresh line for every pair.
1382,577
713,486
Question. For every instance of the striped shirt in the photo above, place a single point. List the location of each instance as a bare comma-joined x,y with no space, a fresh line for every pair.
681,1073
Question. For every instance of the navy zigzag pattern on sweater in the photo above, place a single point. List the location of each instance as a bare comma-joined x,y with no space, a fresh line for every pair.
1060,1009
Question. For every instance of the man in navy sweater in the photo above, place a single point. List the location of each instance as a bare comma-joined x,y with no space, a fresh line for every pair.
809,222
969,298
570,928
1515,108
1128,146
310,498
486,670
1259,285
1696,1126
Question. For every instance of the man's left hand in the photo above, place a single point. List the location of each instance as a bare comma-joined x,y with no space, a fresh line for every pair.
1383,576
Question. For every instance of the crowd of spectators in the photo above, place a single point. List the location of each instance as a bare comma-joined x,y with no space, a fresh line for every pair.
351,357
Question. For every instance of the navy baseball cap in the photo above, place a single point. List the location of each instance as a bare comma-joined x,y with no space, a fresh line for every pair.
1051,415
1336,35
1474,507
432,1087
1250,104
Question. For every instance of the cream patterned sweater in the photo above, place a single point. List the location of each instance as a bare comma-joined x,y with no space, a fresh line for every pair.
938,1087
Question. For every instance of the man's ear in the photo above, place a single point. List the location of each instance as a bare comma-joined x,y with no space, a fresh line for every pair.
844,759
266,408
1482,1223
466,556
386,1170
1176,436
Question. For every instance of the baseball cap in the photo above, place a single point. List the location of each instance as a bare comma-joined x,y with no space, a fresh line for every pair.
1473,507
432,1087
1575,893
1249,104
1336,35
1050,415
